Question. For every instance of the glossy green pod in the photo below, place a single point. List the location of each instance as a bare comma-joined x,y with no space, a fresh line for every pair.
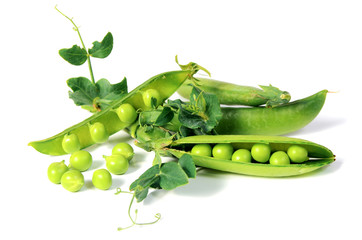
271,121
320,156
166,83
233,94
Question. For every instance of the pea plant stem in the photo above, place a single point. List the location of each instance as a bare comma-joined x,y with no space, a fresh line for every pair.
76,28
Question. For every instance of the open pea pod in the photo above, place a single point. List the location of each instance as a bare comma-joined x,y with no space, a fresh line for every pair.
165,83
319,155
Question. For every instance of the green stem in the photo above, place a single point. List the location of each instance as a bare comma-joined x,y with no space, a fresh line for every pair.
81,40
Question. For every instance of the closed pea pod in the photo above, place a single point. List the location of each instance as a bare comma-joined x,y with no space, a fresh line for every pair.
166,83
271,121
320,155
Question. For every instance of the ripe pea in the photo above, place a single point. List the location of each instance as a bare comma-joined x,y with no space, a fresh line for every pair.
126,113
81,160
123,149
203,149
148,95
56,171
297,154
279,158
222,151
241,155
260,152
73,180
70,143
116,164
98,132
102,179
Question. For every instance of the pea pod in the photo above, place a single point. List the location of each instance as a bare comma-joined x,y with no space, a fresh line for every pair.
233,94
165,83
320,155
271,121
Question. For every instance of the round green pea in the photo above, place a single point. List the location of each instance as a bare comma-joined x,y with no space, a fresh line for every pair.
102,179
116,164
123,149
203,149
56,171
241,155
279,158
81,160
261,152
297,154
148,95
223,151
72,180
126,113
98,132
70,143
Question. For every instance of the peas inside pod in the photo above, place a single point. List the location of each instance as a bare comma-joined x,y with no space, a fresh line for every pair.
259,153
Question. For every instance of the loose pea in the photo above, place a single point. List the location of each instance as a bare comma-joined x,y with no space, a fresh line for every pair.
81,160
297,154
116,164
70,143
279,158
56,171
126,113
123,149
260,152
148,95
98,132
222,151
241,155
102,179
201,150
73,180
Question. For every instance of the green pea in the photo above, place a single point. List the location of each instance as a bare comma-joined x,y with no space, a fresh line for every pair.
223,151
98,132
279,158
116,164
81,160
201,150
73,180
70,143
123,149
56,171
297,154
148,95
260,152
241,155
126,113
102,179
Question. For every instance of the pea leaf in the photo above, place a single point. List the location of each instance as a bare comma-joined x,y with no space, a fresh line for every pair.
172,176
74,55
95,97
165,117
188,165
102,49
84,91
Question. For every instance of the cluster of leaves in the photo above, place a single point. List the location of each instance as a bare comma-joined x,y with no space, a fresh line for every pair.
90,95
165,176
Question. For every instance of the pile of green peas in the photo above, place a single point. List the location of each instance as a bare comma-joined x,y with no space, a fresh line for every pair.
259,152
71,177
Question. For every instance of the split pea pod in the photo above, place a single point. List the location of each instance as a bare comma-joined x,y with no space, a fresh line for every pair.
233,94
271,121
166,84
319,155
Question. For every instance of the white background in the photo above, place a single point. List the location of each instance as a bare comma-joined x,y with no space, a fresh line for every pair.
299,46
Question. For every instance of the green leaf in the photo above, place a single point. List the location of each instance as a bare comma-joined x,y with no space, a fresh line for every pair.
172,176
146,177
102,49
84,91
74,55
157,160
108,92
188,165
165,117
